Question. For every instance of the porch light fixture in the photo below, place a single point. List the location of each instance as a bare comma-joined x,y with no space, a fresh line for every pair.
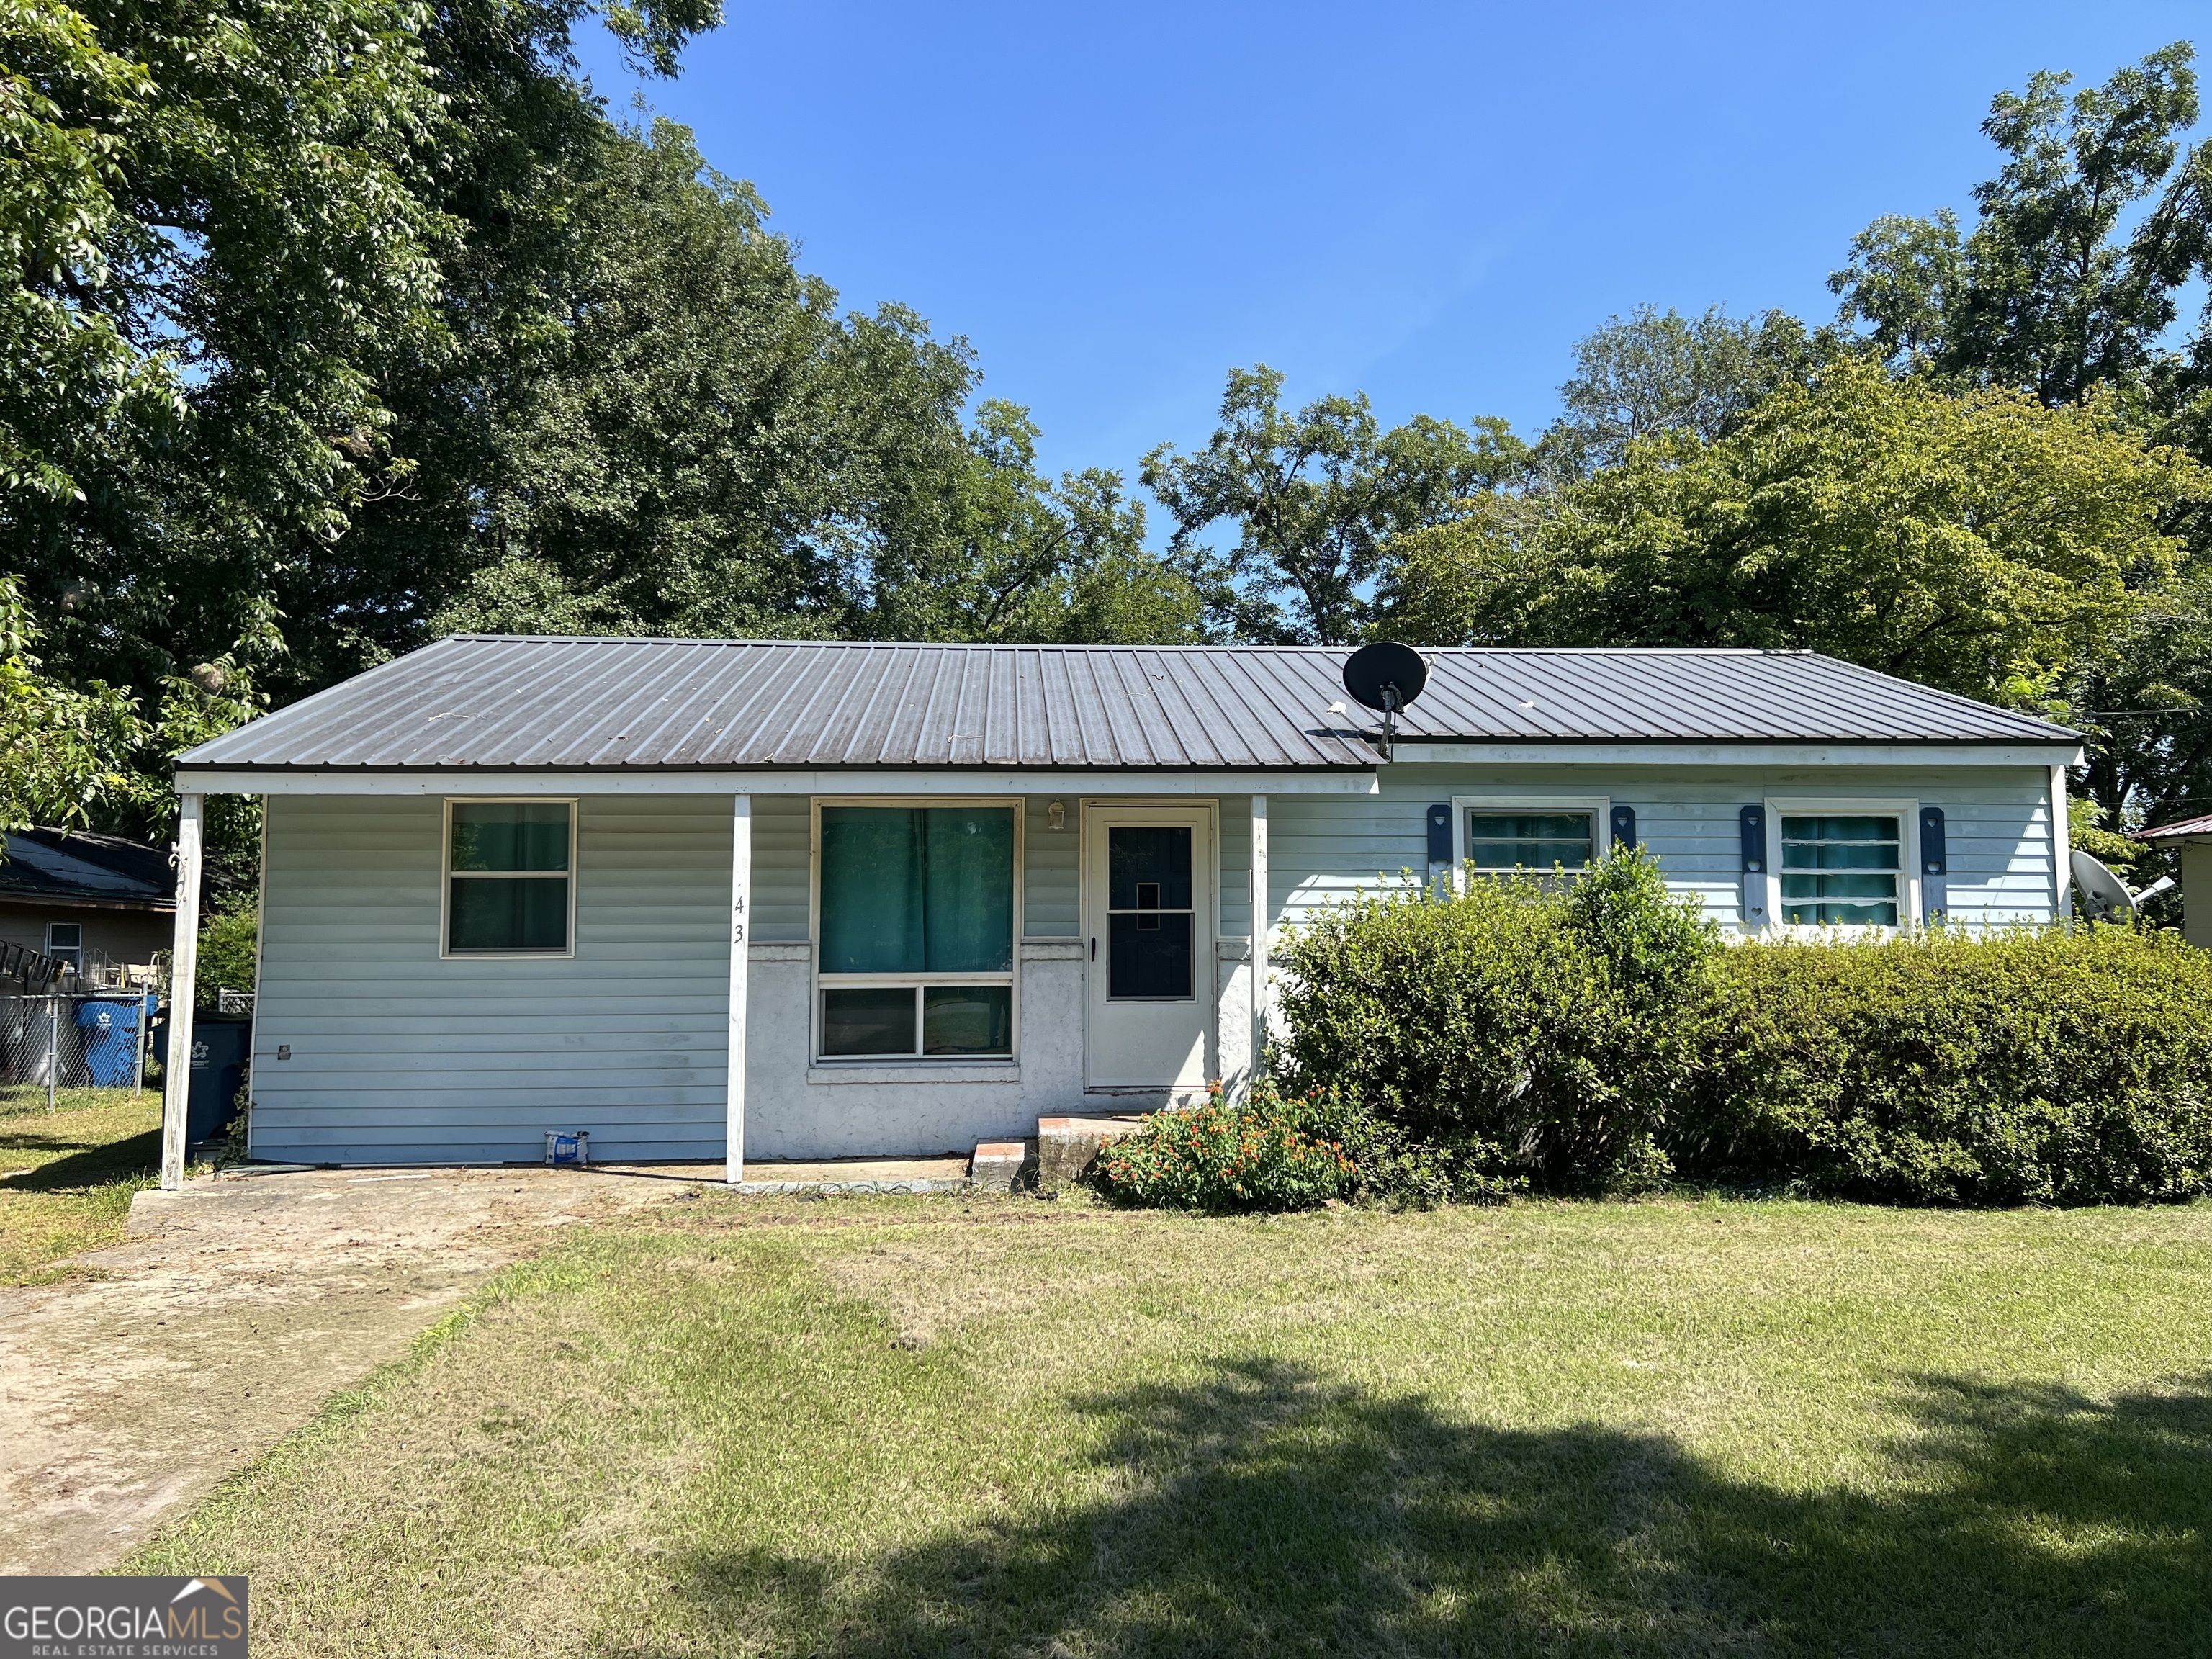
1055,816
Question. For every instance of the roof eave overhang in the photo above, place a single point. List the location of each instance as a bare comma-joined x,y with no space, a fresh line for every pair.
1324,779
1719,751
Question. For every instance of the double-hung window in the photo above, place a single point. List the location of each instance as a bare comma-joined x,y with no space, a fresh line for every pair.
1842,870
66,942
917,932
510,867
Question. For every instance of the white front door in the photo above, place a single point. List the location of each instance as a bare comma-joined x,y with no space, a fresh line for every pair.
1149,914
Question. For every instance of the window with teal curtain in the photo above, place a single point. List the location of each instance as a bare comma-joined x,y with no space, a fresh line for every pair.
915,890
872,889
913,894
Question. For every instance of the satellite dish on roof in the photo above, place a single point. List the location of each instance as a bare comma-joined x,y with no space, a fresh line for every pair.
2105,897
1385,675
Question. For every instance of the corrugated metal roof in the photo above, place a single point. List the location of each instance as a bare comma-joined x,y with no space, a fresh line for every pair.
2185,830
481,701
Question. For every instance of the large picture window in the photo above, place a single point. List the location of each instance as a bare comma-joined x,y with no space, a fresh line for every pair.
1842,870
917,932
509,868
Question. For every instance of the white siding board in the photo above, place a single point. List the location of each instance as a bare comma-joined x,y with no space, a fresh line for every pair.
399,1055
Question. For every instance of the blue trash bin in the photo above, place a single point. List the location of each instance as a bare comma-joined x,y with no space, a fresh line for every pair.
110,1036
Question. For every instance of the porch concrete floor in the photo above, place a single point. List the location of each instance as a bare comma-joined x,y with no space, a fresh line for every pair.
857,1174
235,1310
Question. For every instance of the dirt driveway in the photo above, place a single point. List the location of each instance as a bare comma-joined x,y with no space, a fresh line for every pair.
235,1310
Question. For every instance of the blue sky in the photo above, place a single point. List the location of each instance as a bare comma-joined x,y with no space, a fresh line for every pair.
1429,202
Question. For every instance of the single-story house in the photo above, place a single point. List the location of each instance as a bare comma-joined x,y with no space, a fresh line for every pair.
776,900
85,900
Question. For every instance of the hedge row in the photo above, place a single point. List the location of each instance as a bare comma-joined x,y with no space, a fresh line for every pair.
1601,1037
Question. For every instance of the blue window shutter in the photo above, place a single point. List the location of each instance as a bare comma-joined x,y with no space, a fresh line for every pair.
1440,833
1934,857
1753,820
1624,826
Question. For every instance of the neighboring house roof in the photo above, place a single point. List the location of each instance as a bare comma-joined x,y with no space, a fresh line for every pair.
479,700
2185,829
78,867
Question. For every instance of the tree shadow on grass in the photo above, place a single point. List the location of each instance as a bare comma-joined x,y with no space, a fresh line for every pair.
77,1163
1264,1511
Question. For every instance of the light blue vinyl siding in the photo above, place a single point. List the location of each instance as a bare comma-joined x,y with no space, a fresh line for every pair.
1052,904
400,1056
1235,812
782,828
1324,848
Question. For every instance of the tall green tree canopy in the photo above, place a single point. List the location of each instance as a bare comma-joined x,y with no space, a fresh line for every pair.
336,323
1655,372
2076,266
1969,541
1316,496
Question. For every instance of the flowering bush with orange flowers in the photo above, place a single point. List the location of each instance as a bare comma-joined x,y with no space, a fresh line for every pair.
1273,1151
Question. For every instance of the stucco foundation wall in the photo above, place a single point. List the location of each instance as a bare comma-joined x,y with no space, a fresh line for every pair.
796,1110
399,1056
1322,847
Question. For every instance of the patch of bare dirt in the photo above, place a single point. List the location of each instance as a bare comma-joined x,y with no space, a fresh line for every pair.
236,1308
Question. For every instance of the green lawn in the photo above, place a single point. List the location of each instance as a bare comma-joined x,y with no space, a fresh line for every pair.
882,1427
66,1176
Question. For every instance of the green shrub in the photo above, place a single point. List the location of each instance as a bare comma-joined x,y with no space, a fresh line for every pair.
1539,1031
1273,1151
1261,1155
2030,1067
226,957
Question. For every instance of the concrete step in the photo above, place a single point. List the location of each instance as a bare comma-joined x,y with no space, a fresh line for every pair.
1067,1145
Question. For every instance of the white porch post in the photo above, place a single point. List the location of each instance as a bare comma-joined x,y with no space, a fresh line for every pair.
1261,920
741,894
177,1064
2062,855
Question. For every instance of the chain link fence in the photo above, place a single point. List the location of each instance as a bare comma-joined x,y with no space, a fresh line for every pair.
87,1041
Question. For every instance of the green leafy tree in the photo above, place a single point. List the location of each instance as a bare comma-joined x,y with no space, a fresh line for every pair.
64,753
681,435
1961,541
2077,263
1029,559
238,232
1655,372
1316,496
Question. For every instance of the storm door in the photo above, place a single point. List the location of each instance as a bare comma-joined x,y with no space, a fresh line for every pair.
1151,947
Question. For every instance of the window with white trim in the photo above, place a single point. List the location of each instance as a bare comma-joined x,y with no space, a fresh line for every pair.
1532,838
916,957
509,878
66,942
1842,869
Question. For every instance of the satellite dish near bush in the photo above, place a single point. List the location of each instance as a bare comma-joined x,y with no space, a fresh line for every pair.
1386,677
2105,897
